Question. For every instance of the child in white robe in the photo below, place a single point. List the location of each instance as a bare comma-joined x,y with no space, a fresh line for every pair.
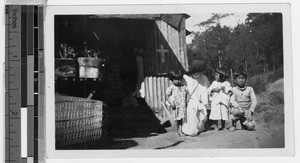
220,91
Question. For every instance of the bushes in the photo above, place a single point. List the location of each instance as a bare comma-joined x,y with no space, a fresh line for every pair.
271,117
278,74
259,82
270,109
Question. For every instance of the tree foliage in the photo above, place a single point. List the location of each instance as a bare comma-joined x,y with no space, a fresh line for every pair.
256,46
215,19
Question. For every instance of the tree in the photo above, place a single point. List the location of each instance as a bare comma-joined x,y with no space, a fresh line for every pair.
215,19
268,32
255,46
211,45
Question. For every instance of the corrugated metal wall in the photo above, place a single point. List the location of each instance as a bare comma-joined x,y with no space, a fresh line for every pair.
158,34
161,33
155,88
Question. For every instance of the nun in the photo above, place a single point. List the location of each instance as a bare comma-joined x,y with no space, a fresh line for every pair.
197,84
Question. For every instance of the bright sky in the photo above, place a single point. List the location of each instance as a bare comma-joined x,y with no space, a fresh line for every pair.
230,21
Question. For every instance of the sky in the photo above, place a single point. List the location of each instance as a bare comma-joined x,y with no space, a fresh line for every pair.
230,21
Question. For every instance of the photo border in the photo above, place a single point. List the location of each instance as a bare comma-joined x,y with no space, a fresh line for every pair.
50,11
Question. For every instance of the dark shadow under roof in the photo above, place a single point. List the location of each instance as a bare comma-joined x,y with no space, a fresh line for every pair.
172,19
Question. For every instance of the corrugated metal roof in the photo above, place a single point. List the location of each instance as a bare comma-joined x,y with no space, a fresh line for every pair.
137,16
129,16
172,19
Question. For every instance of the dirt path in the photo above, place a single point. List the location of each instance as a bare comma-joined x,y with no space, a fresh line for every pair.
208,139
139,130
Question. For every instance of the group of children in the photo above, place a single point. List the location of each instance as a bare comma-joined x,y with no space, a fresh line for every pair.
227,103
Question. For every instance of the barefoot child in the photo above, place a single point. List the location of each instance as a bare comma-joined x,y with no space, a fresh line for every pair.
246,99
176,99
220,91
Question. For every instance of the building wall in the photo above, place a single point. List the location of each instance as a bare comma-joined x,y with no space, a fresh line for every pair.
155,88
156,80
160,33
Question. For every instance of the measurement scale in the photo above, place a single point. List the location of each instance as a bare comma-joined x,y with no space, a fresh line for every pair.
24,83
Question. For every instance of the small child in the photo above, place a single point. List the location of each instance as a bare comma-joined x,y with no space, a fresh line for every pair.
245,98
176,98
220,92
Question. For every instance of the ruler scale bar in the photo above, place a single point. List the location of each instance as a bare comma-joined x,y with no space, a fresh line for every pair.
24,57
30,84
24,160
24,82
41,84
36,80
13,55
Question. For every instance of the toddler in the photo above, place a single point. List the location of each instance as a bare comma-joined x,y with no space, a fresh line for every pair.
176,99
220,92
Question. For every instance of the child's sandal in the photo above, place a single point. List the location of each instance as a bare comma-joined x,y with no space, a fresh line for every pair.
222,129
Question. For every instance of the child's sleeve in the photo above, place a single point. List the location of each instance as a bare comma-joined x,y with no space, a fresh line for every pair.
187,96
168,94
253,99
228,88
209,89
233,101
169,91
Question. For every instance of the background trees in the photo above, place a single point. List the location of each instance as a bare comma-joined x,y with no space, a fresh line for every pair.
256,45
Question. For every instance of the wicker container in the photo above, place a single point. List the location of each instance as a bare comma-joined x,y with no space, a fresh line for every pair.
78,121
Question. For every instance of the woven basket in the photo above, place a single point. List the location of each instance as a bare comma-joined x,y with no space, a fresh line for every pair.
78,121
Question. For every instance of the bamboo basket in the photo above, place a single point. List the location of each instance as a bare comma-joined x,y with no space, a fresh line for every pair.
78,121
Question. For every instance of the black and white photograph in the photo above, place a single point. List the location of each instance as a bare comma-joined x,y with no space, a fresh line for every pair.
152,81
169,81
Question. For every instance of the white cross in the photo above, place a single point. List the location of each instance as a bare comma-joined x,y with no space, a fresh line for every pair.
162,51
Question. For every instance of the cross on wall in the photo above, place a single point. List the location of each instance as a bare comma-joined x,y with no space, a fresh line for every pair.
162,51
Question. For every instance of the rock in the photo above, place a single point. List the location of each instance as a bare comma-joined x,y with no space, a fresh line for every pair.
276,98
275,92
277,86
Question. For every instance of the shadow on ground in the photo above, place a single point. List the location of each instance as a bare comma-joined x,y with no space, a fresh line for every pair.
133,122
173,145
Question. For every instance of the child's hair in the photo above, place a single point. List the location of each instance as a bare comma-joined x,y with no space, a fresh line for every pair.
223,73
175,75
240,73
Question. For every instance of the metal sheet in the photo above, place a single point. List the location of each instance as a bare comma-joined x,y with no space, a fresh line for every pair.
155,92
172,40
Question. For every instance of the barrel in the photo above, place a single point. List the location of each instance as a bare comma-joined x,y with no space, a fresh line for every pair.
89,67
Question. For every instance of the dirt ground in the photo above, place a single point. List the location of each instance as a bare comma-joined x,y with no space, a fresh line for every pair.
259,138
138,128
142,132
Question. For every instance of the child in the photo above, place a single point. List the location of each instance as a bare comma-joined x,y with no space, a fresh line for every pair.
245,98
220,91
176,98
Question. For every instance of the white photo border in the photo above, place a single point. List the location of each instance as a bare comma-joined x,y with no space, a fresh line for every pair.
51,11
